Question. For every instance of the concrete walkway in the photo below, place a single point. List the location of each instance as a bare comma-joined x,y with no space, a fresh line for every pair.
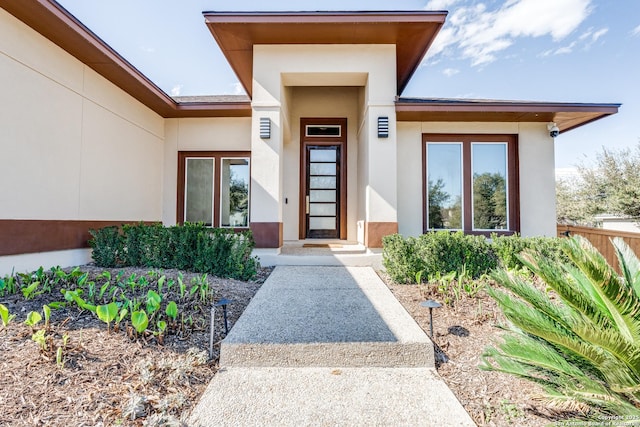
327,346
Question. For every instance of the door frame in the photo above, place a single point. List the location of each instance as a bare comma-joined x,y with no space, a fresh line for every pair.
340,141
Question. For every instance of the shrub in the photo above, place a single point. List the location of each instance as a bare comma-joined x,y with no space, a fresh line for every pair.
107,246
193,247
508,249
443,252
434,253
583,349
400,258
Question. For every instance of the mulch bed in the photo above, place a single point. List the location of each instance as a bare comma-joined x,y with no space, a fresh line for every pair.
109,378
461,333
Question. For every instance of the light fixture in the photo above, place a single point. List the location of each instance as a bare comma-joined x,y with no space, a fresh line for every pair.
383,127
265,128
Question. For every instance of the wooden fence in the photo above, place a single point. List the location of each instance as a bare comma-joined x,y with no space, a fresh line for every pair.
601,239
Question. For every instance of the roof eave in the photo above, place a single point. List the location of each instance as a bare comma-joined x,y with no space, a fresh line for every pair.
568,116
233,34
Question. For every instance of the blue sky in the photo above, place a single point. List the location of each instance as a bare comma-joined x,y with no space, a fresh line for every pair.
537,50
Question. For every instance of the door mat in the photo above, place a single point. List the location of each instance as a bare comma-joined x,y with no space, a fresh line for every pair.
322,245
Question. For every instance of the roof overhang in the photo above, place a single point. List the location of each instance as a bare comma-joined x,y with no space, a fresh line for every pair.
567,116
58,25
412,32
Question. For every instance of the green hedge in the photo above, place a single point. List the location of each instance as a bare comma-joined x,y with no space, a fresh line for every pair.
507,248
440,251
191,247
444,252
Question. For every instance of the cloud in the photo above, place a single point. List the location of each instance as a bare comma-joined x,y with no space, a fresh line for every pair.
636,31
238,89
175,91
450,72
440,4
479,34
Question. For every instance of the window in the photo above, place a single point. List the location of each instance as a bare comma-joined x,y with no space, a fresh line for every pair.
213,188
471,183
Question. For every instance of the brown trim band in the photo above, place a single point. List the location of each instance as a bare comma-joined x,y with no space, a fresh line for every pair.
375,231
267,234
19,236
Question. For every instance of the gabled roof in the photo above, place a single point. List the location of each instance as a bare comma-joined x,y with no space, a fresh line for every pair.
566,115
411,31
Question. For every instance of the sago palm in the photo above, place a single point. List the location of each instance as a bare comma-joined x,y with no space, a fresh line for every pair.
581,342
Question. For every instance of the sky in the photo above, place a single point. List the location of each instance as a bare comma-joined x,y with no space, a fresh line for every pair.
533,50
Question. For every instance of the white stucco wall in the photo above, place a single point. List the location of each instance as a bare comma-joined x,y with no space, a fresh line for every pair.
79,147
73,145
536,166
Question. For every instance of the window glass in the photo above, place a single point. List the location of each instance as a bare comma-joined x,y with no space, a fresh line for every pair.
199,190
234,193
323,130
444,185
489,171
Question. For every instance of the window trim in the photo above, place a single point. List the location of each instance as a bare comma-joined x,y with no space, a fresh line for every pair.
217,178
513,187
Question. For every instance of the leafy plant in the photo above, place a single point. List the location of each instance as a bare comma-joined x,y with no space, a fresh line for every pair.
6,317
139,320
33,318
153,301
31,291
123,313
40,338
46,310
107,313
584,350
8,285
172,310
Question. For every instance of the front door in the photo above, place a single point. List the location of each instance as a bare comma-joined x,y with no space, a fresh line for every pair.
323,179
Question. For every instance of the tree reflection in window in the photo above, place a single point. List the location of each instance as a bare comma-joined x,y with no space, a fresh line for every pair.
235,193
489,186
444,186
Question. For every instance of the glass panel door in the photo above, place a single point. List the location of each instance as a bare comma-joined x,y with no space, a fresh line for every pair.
323,191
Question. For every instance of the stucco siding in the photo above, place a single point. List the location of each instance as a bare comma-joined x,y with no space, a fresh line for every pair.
80,147
537,181
409,178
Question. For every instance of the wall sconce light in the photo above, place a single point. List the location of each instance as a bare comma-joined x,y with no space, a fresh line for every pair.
265,128
383,127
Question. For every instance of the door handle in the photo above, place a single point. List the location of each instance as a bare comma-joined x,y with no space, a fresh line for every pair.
308,205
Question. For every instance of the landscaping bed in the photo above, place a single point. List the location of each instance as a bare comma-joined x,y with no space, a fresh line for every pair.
113,377
462,331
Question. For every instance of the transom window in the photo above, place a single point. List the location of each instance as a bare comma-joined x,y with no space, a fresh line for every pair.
323,130
471,183
213,188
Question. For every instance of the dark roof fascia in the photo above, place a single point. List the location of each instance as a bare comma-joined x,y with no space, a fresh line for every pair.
540,111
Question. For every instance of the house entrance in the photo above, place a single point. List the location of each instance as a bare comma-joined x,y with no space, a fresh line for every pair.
323,180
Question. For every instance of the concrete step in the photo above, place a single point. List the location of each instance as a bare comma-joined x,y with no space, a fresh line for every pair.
292,397
320,317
